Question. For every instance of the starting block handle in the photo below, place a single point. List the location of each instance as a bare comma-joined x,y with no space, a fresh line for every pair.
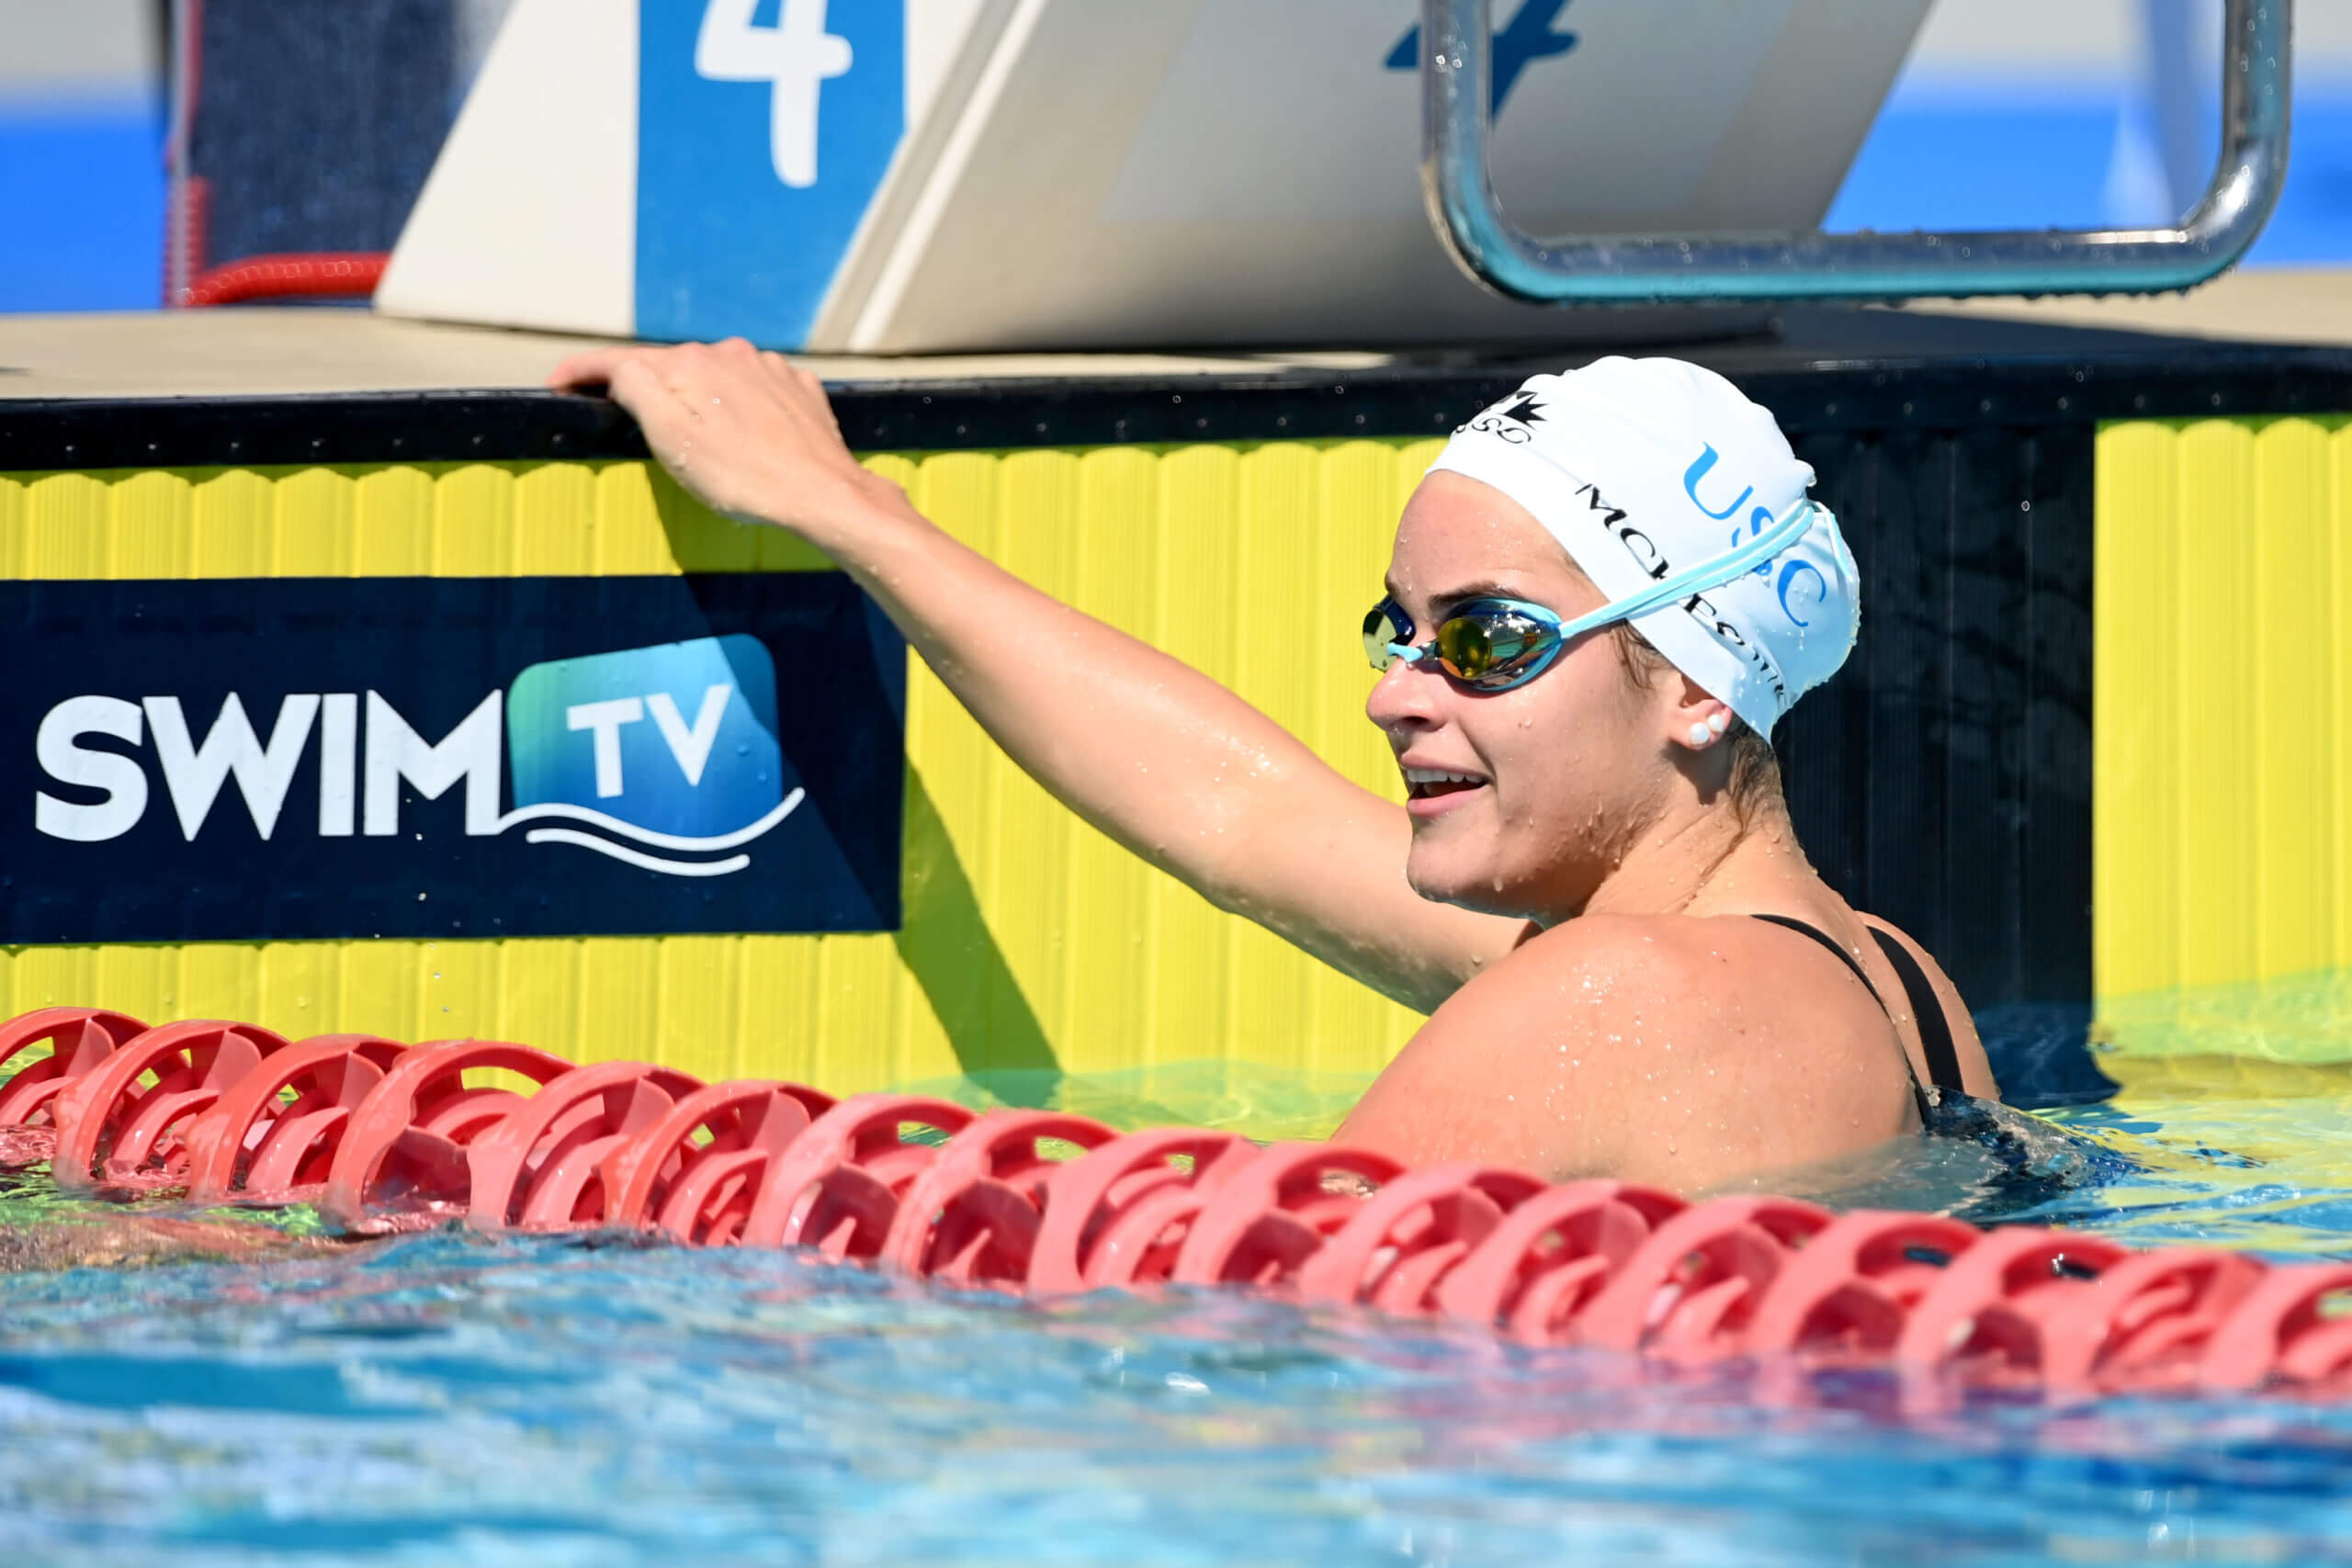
1656,269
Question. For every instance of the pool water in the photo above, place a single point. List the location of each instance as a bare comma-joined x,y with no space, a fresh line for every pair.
447,1399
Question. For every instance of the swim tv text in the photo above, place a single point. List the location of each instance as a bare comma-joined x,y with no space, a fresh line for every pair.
518,797
571,759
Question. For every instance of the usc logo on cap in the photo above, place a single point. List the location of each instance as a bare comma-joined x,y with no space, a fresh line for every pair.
1791,573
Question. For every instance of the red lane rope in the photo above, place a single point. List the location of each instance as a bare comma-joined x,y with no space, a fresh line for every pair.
325,275
382,1137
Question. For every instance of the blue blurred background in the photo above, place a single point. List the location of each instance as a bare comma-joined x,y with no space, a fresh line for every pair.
2034,113
80,155
2011,113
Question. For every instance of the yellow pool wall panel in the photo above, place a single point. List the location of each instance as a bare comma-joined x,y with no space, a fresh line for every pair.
2221,853
1030,941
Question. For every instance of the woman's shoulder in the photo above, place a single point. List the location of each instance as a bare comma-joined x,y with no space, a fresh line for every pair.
1660,963
1661,950
1537,1061
1700,991
1601,939
1700,968
1667,1048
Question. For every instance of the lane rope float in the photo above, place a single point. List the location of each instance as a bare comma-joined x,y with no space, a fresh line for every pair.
384,1137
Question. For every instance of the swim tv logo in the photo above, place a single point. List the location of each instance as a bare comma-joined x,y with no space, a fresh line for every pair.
267,760
662,758
674,779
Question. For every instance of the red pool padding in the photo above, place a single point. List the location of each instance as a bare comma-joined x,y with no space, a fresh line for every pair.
385,1137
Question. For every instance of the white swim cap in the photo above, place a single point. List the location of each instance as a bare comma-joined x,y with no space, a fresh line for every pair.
1646,468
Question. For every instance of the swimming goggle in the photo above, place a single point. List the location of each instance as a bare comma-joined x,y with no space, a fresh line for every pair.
1493,645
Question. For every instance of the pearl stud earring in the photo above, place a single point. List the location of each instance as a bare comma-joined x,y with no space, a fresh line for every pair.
1701,736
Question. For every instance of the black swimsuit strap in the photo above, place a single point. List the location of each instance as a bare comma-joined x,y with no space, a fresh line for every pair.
1918,1093
1935,1025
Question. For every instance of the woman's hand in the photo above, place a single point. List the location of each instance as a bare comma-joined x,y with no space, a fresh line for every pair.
748,433
1155,753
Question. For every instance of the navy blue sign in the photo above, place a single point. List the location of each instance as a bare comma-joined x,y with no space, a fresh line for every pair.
411,757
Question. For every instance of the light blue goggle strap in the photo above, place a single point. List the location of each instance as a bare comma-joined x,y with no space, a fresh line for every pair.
1713,572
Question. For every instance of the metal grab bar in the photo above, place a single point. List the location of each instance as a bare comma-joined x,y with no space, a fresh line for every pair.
1649,269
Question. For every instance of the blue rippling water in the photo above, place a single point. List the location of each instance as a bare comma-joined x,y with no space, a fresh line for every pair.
446,1400
450,1400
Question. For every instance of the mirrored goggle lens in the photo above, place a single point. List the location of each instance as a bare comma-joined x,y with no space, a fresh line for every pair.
1382,628
1488,650
1464,647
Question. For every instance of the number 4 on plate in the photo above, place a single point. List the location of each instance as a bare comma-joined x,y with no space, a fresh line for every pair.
797,56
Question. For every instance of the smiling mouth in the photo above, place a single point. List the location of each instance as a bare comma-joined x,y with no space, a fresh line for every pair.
1431,783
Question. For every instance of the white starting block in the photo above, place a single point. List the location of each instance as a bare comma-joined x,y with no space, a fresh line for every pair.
899,177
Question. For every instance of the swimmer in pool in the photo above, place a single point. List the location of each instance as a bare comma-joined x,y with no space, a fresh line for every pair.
1607,591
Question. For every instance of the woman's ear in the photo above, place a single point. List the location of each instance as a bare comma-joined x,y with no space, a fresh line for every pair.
1699,719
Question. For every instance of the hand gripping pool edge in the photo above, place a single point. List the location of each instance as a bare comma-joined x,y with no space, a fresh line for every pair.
384,1137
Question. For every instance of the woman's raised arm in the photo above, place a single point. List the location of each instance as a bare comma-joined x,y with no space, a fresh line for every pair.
1168,762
